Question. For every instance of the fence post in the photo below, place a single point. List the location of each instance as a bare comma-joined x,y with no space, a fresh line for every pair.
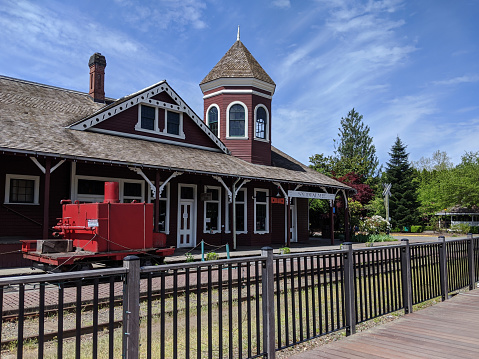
131,308
406,278
470,256
269,342
349,289
443,267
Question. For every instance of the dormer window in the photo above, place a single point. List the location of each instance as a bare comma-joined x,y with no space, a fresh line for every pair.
261,123
148,118
173,123
237,121
213,120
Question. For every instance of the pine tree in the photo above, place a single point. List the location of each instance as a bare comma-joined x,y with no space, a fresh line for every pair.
403,202
355,151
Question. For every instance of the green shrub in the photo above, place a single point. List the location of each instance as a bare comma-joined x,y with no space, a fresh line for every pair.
212,256
373,225
416,229
285,250
396,230
474,230
189,258
364,238
428,228
461,228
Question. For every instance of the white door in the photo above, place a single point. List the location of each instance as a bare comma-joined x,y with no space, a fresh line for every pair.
294,234
186,216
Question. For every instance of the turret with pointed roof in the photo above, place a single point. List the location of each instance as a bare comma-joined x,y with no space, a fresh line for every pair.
237,104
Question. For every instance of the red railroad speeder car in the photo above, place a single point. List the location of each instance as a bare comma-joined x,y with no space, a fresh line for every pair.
99,233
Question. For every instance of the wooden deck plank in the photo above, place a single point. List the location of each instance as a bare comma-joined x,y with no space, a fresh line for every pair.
449,329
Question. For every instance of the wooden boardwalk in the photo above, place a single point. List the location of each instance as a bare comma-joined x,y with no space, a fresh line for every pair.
446,330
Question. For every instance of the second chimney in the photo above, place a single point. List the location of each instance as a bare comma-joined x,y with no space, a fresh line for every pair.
97,65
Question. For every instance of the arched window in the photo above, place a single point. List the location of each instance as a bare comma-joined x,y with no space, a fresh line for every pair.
213,120
261,122
237,121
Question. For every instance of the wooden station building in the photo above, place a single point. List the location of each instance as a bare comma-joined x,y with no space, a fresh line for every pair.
216,178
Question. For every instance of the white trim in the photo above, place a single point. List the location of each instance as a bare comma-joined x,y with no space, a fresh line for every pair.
238,81
219,117
99,198
266,128
227,214
245,137
294,220
36,188
144,96
266,203
237,92
193,202
219,202
180,130
167,200
154,139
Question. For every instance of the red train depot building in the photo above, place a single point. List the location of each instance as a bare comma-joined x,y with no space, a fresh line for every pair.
216,178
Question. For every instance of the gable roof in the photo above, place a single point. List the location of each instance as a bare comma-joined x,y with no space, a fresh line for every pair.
146,97
238,63
35,120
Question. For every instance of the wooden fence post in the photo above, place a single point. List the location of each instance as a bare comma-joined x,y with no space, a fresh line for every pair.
269,342
349,288
131,308
443,267
406,277
472,264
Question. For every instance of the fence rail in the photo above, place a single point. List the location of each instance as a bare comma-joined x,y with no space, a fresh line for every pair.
236,308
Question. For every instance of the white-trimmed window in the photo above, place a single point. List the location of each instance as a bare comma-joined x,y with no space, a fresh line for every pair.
212,209
261,211
22,189
261,120
164,218
92,189
213,119
147,119
237,120
241,212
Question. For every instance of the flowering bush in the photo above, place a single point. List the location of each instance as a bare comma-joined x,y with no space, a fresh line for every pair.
374,225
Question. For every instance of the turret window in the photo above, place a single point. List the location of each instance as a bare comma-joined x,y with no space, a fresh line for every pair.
237,121
261,123
213,120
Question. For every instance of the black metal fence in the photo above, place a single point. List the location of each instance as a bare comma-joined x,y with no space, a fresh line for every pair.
238,308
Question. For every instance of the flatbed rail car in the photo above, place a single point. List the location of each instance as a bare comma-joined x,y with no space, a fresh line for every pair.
99,232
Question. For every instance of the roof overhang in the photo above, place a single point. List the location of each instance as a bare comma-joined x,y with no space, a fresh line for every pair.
238,81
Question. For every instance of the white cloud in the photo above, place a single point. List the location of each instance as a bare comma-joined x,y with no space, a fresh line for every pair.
458,80
284,4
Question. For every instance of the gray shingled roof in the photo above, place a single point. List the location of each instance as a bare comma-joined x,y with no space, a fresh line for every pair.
34,119
238,62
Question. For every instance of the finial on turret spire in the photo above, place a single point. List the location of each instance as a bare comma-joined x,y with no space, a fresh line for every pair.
238,36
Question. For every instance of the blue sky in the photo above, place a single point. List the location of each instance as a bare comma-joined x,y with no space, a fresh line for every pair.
411,68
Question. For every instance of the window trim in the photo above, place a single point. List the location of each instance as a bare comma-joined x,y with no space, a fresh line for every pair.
266,128
219,201
151,199
138,124
36,188
256,190
99,198
208,117
180,130
245,137
227,214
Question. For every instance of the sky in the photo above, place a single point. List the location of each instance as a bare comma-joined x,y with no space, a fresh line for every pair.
410,68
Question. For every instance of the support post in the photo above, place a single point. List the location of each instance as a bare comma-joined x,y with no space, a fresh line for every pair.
472,264
331,221
157,201
46,199
267,276
347,235
131,308
443,268
288,244
349,288
406,278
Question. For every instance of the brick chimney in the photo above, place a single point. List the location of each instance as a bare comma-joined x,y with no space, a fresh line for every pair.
97,65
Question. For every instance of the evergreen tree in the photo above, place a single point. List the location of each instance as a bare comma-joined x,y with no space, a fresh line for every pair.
355,151
403,202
